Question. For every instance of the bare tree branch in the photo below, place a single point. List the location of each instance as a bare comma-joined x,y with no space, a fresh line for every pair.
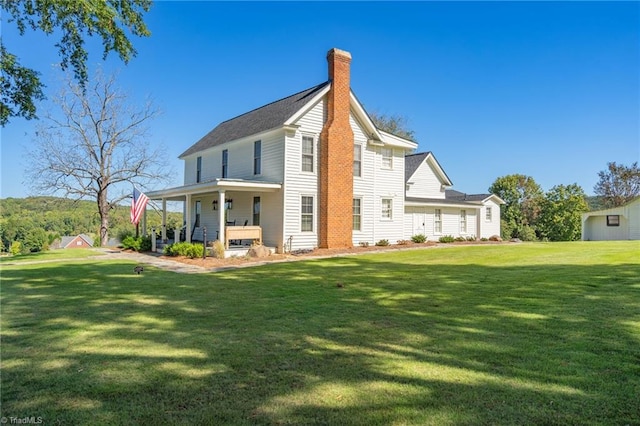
97,148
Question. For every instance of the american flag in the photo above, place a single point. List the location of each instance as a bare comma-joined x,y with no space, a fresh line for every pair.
138,204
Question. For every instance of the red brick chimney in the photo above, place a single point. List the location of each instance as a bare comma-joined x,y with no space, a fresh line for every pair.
336,158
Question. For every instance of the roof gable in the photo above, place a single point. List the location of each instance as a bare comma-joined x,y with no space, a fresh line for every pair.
261,119
413,162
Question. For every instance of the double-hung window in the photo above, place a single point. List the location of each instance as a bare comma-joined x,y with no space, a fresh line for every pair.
357,160
307,154
256,211
357,214
225,163
198,169
387,208
437,221
306,214
488,214
463,221
257,157
387,158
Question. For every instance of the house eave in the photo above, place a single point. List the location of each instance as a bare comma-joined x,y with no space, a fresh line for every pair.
179,192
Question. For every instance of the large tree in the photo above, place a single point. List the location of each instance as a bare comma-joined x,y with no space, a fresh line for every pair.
561,214
618,184
523,197
96,148
75,20
395,124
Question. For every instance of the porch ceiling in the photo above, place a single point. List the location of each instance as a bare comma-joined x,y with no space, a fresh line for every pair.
179,193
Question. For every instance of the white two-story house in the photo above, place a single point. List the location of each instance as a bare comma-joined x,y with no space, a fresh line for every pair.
312,170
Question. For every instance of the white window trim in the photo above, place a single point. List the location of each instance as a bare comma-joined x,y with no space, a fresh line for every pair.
257,158
435,222
488,214
382,158
357,197
359,159
313,213
382,209
465,222
313,154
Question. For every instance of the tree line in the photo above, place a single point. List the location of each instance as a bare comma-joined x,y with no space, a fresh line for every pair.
32,224
529,214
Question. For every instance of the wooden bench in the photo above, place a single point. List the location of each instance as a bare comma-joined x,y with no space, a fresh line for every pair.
242,233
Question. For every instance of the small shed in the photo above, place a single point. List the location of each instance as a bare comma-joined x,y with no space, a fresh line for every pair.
79,241
618,223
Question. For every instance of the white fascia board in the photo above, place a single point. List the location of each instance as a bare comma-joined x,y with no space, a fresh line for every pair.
396,141
495,198
372,132
296,116
215,186
433,203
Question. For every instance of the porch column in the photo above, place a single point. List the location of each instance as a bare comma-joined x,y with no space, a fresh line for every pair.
187,219
221,210
144,222
164,220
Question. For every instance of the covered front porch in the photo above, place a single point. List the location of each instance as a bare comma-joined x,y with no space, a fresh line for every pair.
229,210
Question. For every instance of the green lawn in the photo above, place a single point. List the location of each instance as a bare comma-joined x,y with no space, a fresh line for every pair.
51,255
467,335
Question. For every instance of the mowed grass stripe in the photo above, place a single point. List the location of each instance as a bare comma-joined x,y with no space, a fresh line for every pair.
510,334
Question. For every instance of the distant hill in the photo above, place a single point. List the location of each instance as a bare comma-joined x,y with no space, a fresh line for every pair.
38,221
595,202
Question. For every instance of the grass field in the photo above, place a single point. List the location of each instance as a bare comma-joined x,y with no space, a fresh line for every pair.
469,335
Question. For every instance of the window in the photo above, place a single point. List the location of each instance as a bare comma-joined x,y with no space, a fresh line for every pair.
387,208
198,169
256,211
225,163
198,211
357,160
257,157
306,214
487,214
357,214
307,154
463,221
613,220
437,221
387,158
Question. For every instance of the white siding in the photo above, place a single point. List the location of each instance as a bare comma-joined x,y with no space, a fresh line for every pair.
595,224
389,184
425,183
492,227
363,186
299,183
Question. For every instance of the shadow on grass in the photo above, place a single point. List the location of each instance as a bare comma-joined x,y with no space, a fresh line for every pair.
283,344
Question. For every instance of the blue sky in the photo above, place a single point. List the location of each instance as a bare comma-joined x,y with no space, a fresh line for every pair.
546,89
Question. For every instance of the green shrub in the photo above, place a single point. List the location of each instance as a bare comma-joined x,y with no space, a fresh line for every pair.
484,239
419,238
383,243
471,238
185,249
138,244
364,244
446,239
16,248
459,239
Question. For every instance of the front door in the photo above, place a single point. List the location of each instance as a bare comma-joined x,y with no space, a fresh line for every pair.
419,220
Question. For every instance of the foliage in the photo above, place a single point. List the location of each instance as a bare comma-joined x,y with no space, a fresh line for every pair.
419,238
459,239
25,219
446,239
523,197
98,149
363,243
561,214
192,250
619,184
383,243
394,124
139,244
16,248
21,88
470,335
75,21
471,238
217,249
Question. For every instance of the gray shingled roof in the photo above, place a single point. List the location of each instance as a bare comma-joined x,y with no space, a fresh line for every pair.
411,164
259,120
441,201
451,194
